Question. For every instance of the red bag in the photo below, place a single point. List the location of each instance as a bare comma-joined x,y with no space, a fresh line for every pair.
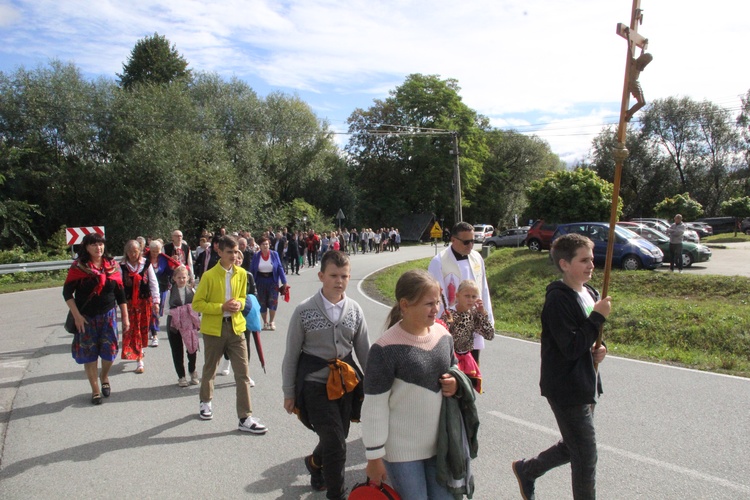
370,491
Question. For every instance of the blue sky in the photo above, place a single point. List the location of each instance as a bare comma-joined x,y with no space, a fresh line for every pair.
548,67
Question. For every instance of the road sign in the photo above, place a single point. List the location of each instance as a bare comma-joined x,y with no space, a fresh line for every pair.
74,235
436,232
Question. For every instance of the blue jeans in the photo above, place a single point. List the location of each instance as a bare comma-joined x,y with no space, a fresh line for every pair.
577,446
416,480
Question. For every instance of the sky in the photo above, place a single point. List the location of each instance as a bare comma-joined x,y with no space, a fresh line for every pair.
551,68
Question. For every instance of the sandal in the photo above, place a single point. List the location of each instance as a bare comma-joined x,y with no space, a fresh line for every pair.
96,399
139,368
106,389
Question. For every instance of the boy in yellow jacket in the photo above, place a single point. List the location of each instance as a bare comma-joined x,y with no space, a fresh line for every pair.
220,298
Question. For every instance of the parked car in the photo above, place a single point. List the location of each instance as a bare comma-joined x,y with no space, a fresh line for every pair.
540,236
631,252
691,252
720,224
513,237
701,228
482,232
745,225
662,225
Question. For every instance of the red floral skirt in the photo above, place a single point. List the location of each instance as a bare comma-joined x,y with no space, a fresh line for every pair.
134,340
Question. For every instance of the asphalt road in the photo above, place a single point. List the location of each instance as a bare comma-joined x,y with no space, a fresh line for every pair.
663,432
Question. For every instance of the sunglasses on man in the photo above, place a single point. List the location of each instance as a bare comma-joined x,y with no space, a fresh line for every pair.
465,242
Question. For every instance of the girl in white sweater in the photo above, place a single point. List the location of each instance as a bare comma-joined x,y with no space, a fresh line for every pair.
405,381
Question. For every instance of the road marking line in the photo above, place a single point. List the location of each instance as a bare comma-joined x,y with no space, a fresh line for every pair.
633,456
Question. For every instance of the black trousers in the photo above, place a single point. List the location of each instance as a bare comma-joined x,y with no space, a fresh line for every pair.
178,353
294,261
331,420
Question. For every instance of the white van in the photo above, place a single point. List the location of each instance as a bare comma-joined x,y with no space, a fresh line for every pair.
482,232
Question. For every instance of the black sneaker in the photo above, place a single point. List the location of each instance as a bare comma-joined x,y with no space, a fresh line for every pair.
524,484
317,481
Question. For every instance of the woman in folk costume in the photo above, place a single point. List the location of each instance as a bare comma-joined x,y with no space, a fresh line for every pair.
142,292
92,290
457,263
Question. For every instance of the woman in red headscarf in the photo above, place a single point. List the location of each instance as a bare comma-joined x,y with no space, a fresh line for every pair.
142,292
92,288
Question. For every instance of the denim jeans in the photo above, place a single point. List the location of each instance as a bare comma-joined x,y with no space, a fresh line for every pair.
416,480
577,447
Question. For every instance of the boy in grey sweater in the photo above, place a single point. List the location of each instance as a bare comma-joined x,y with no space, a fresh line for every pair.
322,383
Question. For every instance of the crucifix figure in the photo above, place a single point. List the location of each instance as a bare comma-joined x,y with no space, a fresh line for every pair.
635,65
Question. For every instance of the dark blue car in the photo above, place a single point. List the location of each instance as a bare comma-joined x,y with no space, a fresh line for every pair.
631,252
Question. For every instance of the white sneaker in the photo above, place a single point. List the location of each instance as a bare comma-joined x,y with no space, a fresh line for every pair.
194,380
252,425
205,412
154,341
182,382
252,383
224,367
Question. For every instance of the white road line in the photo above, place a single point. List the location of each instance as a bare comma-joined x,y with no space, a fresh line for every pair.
633,456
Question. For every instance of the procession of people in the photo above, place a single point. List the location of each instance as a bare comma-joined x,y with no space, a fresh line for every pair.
332,373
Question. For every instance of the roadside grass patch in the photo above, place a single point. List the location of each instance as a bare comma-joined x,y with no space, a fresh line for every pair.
698,321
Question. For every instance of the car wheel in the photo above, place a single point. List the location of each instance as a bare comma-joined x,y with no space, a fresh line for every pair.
687,259
492,244
747,231
631,263
535,246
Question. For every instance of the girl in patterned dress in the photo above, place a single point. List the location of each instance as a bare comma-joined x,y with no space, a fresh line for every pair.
469,317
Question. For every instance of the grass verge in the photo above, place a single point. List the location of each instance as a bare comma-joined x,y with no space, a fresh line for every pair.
697,321
17,282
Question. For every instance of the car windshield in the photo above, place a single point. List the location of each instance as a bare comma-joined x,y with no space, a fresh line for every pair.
625,233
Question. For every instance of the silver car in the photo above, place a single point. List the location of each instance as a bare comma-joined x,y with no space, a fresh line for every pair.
513,237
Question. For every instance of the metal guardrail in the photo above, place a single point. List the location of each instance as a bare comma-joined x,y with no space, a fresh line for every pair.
53,265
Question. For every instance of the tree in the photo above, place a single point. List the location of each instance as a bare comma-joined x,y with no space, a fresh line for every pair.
698,140
681,204
646,176
569,196
153,61
738,208
411,170
514,161
15,223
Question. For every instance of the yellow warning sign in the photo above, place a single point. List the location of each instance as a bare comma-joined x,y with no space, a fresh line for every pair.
436,231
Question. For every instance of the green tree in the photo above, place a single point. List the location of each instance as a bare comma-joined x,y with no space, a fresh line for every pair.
408,167
701,144
570,196
153,61
738,208
681,204
646,176
514,161
15,223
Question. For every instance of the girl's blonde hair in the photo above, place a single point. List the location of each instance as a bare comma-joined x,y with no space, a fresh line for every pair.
467,284
411,286
180,269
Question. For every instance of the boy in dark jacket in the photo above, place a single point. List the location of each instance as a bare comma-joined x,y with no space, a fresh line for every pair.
571,318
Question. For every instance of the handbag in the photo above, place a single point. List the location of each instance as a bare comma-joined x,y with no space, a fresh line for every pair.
70,323
370,491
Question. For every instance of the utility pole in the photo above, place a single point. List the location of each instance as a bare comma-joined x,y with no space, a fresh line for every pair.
458,212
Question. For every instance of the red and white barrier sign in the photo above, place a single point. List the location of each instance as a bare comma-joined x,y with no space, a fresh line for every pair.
74,235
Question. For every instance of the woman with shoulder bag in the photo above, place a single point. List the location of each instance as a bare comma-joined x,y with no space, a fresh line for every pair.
92,289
